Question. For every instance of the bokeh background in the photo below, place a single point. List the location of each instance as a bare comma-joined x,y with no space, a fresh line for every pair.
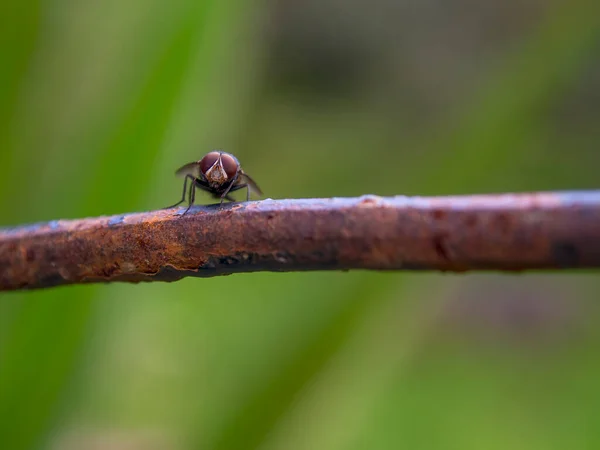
101,101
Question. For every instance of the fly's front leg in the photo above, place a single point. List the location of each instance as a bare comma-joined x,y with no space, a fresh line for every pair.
184,191
192,198
224,194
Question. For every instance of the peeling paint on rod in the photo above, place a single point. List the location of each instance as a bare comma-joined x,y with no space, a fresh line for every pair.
507,232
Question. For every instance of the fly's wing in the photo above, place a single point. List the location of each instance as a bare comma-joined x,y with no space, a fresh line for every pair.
251,184
192,169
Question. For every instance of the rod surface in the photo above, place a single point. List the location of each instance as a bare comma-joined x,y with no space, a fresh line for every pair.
512,232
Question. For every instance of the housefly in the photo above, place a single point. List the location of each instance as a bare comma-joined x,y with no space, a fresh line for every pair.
218,173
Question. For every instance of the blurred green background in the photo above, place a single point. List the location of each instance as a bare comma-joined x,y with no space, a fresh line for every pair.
101,101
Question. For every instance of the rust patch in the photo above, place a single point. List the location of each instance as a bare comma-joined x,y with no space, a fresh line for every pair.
439,244
439,214
502,223
471,221
369,201
30,255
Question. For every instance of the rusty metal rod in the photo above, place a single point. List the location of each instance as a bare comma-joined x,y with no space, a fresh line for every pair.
513,232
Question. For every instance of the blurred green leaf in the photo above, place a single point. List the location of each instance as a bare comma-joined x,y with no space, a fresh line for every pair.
38,357
270,399
19,30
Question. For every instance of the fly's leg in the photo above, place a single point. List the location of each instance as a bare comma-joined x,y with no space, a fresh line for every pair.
184,191
235,188
192,197
224,194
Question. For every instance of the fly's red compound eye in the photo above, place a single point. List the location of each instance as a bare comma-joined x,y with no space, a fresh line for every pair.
208,161
230,165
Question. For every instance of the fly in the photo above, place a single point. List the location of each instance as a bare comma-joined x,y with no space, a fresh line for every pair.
218,173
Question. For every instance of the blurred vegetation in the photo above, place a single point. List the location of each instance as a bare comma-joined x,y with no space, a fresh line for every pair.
101,101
